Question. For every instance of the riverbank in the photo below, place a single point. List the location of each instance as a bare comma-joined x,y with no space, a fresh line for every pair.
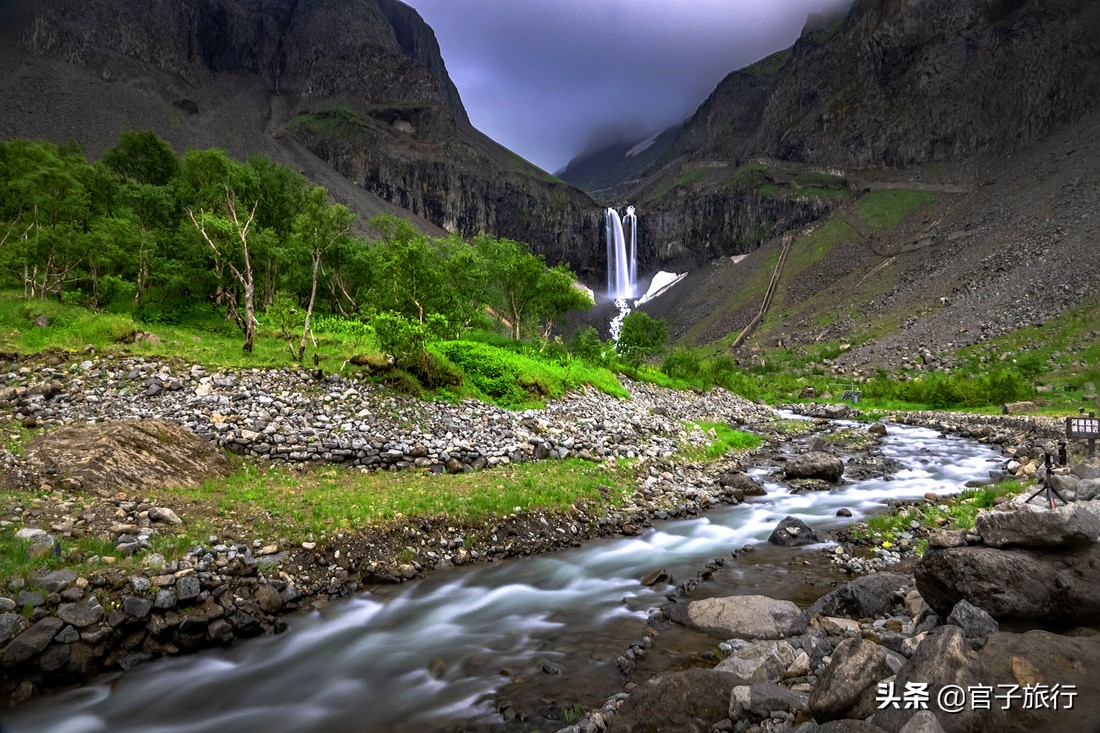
136,568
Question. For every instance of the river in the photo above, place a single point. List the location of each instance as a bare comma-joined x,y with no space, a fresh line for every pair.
439,651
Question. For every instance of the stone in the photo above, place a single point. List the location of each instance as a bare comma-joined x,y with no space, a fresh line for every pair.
869,596
944,658
219,631
165,599
132,456
10,623
975,623
32,641
137,607
878,430
164,514
268,599
814,465
689,701
1088,489
84,613
29,533
1016,584
44,546
847,686
792,532
187,589
56,581
836,626
54,658
1066,526
742,482
923,721
757,702
1087,469
745,617
1042,658
761,661
1018,408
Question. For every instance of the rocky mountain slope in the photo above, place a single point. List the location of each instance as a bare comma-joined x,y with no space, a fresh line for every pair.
354,94
893,84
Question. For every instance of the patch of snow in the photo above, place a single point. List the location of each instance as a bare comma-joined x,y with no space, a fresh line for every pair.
642,146
661,282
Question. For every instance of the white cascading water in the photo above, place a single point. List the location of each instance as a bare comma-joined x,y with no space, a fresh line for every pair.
622,264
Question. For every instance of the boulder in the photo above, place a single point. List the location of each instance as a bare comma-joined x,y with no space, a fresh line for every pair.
757,702
923,721
1020,584
792,532
131,456
1089,468
1017,408
975,623
762,661
869,596
878,430
81,614
1065,526
1088,489
1042,658
32,641
690,701
743,482
943,658
743,617
847,687
815,465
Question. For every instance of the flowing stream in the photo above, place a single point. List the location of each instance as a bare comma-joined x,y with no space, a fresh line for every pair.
432,653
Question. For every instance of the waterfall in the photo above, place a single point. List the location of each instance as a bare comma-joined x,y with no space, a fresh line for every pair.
622,265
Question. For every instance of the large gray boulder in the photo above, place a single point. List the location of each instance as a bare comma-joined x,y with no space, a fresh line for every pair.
1019,584
1087,469
742,617
757,702
943,658
1042,658
691,701
1088,489
846,689
814,465
1066,526
762,661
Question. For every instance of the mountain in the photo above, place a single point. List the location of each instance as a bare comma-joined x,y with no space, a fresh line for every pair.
891,84
354,93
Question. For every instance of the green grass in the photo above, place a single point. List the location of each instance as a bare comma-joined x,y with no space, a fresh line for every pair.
722,440
334,120
321,500
954,512
882,211
15,437
686,178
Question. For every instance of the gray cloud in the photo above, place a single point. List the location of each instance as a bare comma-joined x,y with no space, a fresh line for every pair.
548,79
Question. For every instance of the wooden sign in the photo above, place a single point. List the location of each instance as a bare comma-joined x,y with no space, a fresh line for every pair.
1083,427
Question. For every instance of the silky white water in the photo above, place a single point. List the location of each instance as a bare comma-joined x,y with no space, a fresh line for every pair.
363,664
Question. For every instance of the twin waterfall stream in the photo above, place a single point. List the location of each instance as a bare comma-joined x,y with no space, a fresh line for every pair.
439,652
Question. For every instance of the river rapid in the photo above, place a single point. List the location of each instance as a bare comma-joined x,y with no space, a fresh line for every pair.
437,653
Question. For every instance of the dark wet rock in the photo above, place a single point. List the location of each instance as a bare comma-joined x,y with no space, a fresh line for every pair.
187,588
137,607
975,623
869,596
944,658
814,465
219,631
268,599
657,576
54,658
32,641
846,689
746,617
792,532
878,430
844,512
1066,526
1021,584
742,482
689,701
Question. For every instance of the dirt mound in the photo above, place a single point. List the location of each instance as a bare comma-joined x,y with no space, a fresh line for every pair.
139,455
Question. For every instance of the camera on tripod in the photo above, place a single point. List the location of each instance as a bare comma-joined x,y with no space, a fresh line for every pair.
1050,457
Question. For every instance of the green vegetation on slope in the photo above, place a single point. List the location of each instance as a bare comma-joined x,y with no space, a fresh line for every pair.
882,211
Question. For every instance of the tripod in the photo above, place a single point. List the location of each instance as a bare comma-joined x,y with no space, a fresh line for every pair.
1048,482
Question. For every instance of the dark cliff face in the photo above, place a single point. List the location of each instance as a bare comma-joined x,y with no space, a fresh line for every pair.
914,81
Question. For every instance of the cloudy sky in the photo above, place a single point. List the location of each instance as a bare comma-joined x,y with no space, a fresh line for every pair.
548,78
